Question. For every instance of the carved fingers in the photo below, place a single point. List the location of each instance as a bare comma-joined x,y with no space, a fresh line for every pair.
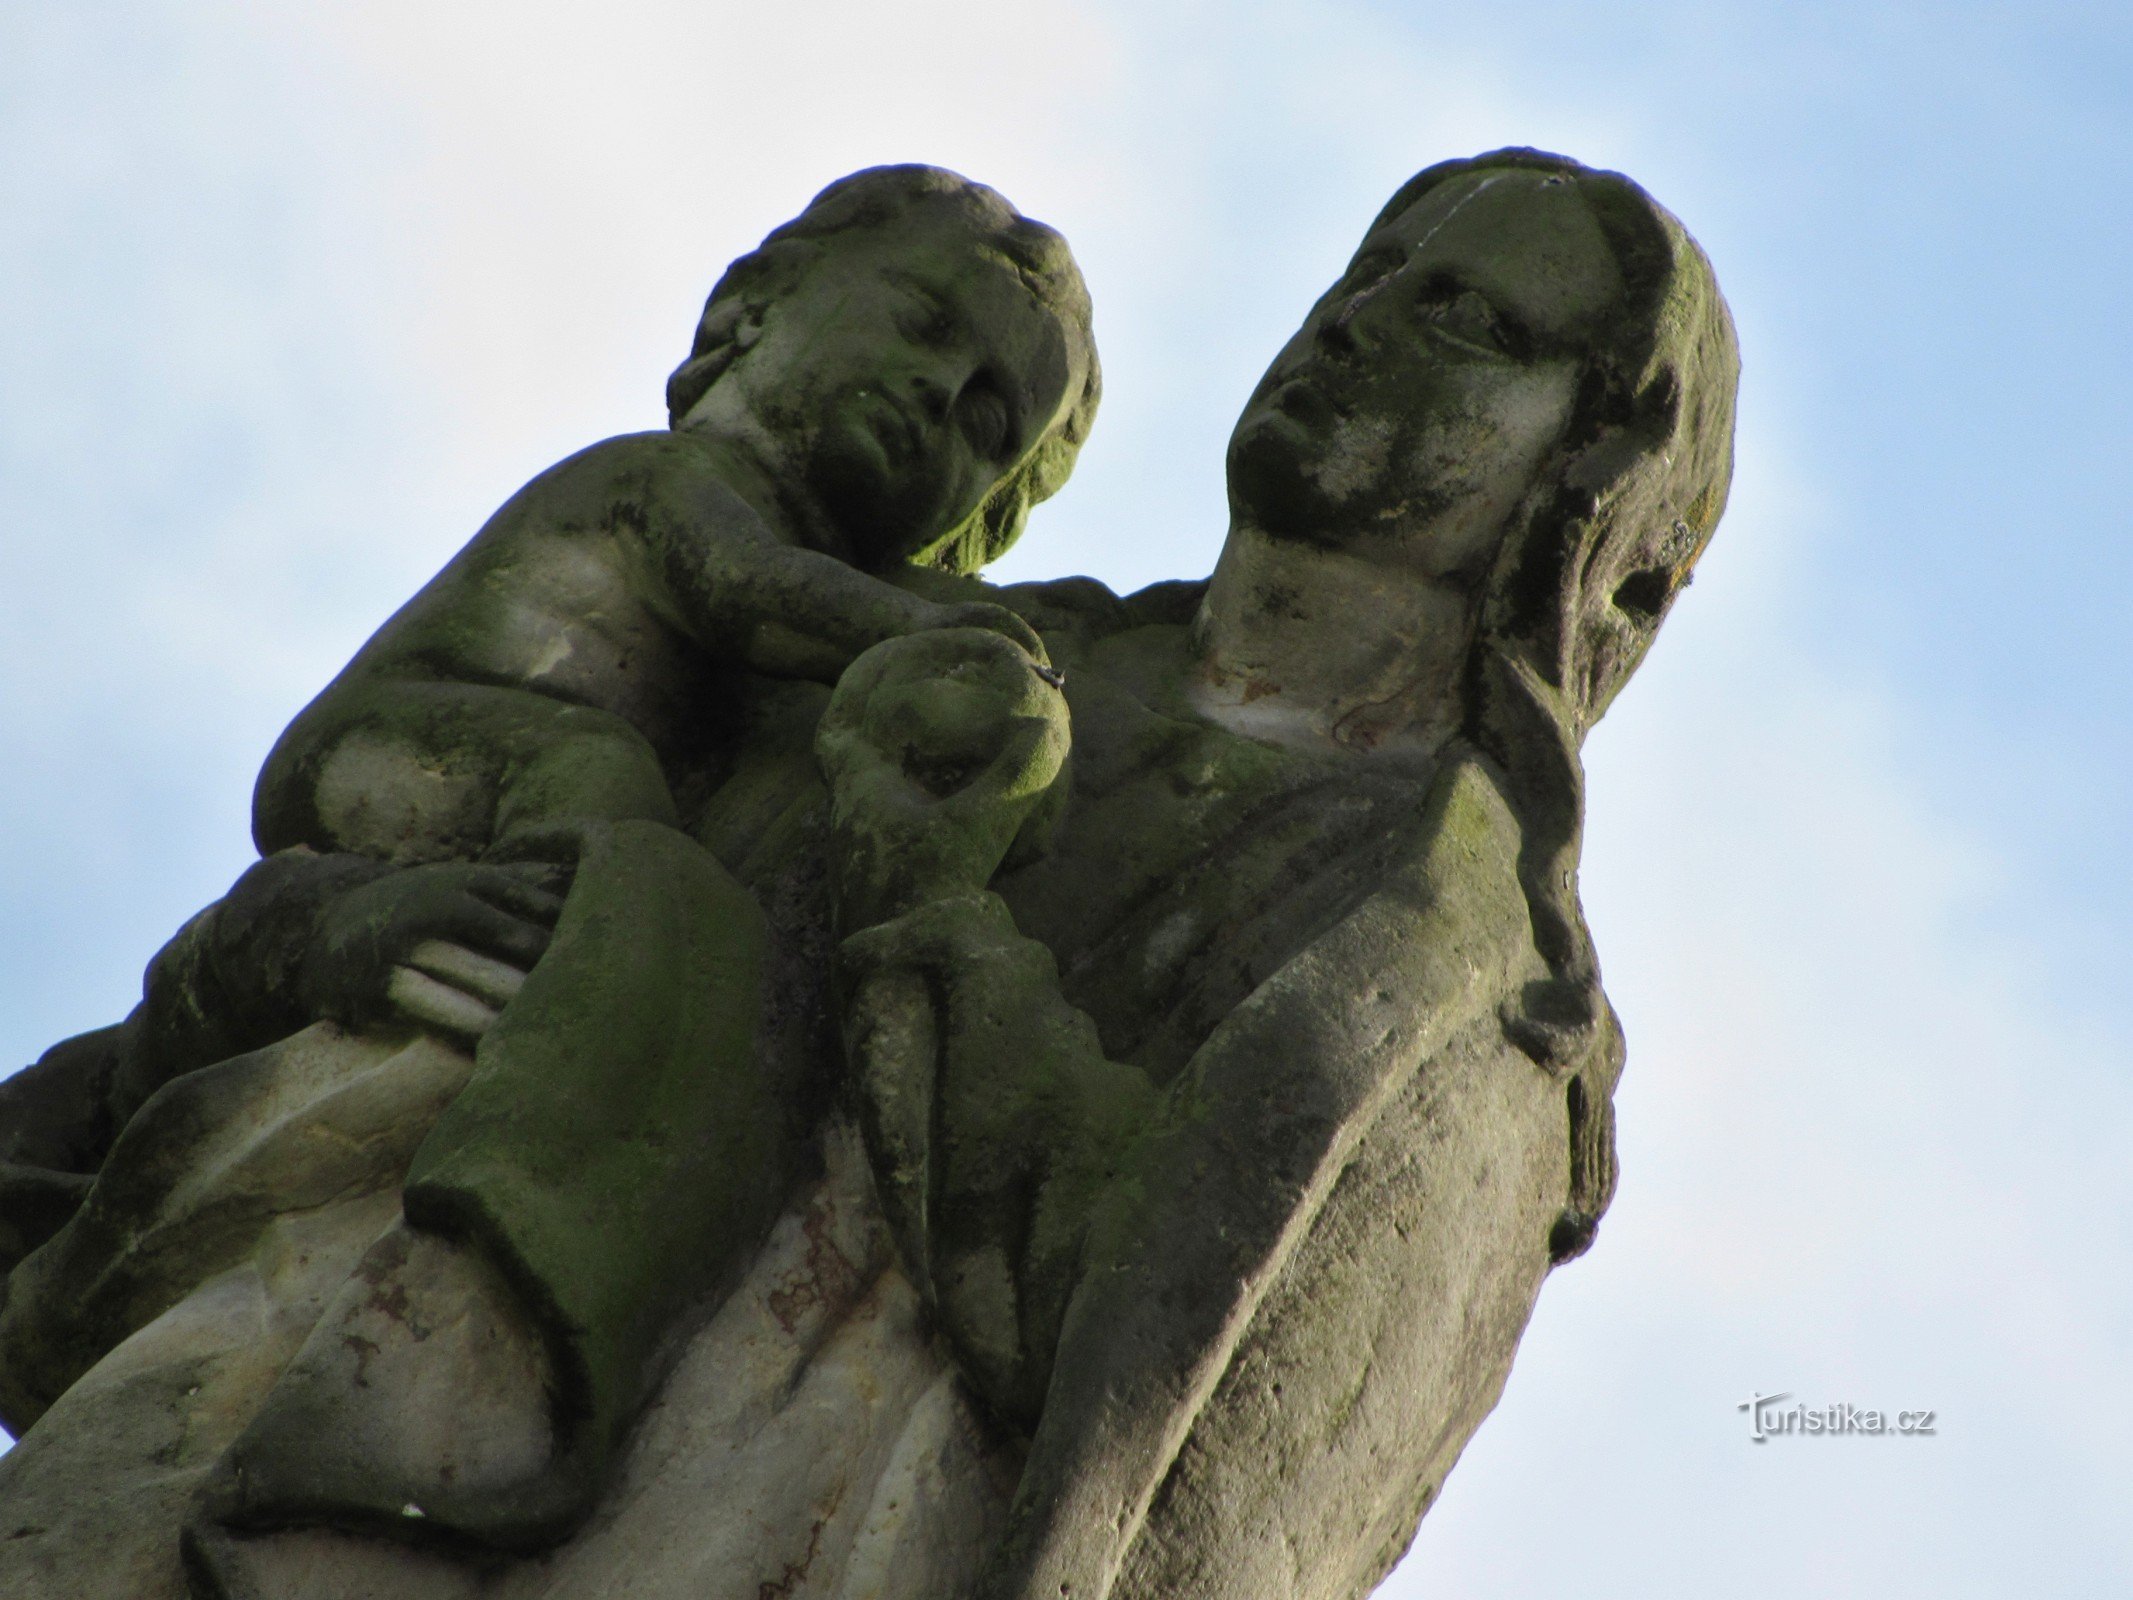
451,990
442,947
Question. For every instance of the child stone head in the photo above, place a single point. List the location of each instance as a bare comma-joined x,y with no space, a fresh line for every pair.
910,357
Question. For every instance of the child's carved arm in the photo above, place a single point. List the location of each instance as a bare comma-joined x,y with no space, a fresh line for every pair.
749,597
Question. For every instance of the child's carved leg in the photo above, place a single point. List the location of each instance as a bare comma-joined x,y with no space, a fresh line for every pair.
583,766
411,771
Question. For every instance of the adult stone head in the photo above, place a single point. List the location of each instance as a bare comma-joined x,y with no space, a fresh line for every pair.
1468,490
1520,391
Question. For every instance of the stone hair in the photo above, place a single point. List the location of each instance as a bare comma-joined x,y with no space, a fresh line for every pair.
1593,559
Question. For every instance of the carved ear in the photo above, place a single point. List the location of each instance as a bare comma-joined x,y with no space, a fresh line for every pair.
1632,572
732,321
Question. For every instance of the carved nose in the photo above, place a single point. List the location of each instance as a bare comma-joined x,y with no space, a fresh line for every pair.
934,398
1335,336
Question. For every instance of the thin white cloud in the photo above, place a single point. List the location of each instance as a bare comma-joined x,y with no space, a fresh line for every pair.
294,297
1867,1159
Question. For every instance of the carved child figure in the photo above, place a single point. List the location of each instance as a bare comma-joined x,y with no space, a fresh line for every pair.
890,381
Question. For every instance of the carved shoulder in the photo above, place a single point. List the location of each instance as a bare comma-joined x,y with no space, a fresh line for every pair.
643,483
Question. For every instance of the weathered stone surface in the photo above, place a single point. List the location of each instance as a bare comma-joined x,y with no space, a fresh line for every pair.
813,1441
241,1199
1167,1022
212,1162
814,1411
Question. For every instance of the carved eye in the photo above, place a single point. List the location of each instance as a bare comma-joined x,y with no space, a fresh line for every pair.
981,411
1465,317
924,320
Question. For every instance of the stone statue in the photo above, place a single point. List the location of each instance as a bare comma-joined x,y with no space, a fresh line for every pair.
1169,1055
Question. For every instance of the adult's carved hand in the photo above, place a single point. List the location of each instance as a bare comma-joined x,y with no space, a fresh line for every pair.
443,946
940,749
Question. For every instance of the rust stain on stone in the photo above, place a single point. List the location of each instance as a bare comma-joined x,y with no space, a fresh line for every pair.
827,1279
795,1572
364,1349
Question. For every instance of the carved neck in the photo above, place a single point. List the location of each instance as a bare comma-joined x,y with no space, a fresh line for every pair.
1317,648
754,466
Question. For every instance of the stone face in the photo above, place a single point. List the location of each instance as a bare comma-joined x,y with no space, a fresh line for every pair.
937,1090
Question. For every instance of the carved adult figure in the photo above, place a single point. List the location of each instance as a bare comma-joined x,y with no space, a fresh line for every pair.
1316,882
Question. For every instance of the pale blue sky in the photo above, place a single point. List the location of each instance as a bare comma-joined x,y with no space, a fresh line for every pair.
291,297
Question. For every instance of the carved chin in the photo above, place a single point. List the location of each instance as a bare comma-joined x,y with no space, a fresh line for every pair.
854,480
1327,486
